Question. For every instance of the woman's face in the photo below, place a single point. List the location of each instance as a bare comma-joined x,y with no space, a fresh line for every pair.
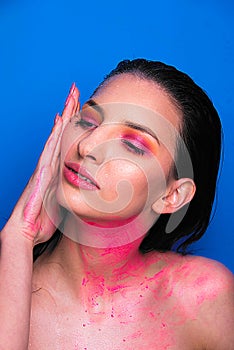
116,155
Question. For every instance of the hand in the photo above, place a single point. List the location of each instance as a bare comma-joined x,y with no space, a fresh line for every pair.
37,213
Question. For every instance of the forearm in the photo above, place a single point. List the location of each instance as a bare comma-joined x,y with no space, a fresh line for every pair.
15,290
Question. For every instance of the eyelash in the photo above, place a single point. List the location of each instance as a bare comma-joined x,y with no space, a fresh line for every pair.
84,124
132,148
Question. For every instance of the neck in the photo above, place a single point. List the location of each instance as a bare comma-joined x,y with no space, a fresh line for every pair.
109,234
110,264
94,276
102,268
93,253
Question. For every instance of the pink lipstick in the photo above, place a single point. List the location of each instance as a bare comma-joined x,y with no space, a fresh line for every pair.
79,177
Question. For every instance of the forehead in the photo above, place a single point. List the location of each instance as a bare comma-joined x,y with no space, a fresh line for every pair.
129,89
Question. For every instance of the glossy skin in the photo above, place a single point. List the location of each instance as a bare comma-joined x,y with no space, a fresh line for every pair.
130,167
113,297
162,301
102,298
107,139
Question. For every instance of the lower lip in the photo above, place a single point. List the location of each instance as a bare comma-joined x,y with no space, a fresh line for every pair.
76,181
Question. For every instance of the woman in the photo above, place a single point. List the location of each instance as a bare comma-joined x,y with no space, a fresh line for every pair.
127,180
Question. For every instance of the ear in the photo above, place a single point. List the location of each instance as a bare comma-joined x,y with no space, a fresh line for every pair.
179,193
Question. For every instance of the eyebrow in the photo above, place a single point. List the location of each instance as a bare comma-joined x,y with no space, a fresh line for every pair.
128,123
96,106
141,128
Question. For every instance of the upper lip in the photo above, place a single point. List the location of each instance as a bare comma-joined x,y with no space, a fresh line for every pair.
81,171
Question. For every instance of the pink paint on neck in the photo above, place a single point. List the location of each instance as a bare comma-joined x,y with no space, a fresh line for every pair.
113,221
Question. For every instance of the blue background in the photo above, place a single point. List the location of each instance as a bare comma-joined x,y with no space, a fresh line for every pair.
46,45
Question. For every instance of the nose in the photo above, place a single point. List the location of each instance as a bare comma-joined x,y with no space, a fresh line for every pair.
91,146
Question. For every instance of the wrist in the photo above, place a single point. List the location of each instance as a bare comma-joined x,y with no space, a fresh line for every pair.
10,236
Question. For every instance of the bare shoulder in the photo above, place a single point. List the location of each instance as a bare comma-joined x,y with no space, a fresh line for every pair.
215,288
202,273
193,271
204,289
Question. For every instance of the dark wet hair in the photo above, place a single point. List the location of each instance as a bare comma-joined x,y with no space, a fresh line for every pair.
201,132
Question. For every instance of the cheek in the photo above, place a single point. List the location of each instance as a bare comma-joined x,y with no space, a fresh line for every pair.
127,188
118,174
69,140
123,188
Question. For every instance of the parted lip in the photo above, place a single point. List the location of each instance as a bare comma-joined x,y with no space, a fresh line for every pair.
77,168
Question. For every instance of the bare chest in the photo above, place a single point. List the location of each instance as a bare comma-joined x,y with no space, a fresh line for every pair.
134,320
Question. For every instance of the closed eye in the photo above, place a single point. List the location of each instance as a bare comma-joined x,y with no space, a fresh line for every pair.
85,124
132,148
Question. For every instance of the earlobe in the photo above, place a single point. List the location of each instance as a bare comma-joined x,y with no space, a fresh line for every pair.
179,193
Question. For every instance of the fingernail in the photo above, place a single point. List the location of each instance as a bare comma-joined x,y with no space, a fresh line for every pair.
72,88
56,118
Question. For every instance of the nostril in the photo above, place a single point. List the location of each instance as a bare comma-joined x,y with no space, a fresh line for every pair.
83,152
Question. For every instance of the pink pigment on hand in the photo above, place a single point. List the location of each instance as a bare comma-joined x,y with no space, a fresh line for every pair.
33,206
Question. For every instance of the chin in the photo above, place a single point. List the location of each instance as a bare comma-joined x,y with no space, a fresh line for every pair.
91,209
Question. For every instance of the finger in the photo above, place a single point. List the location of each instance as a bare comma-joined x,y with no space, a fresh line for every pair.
71,106
55,158
71,103
44,160
76,95
34,204
50,146
69,109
